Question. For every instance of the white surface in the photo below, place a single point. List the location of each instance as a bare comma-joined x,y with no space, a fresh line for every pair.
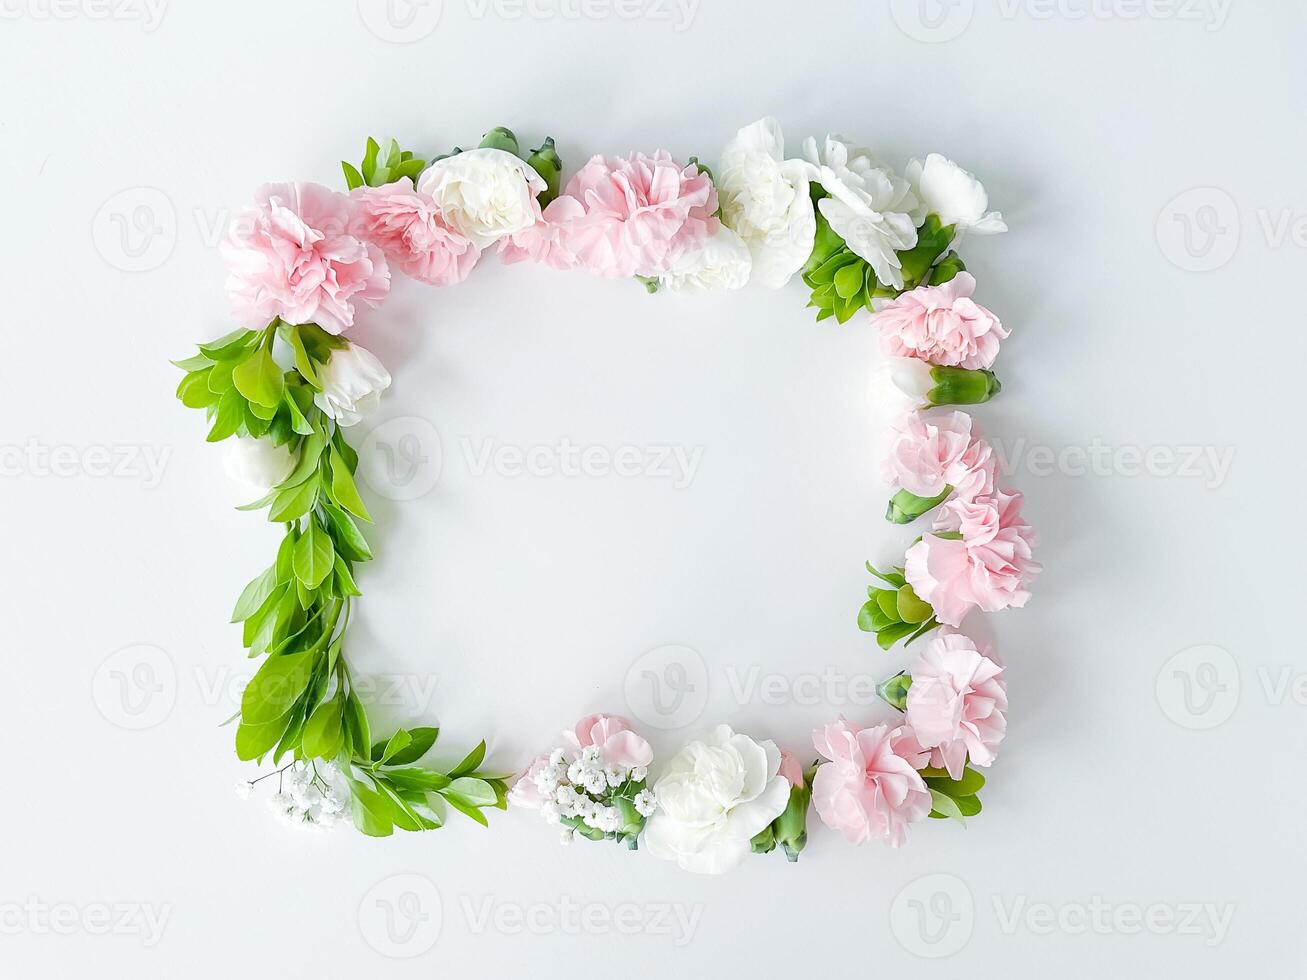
527,600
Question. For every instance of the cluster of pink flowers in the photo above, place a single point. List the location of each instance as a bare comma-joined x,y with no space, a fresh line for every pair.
942,325
871,787
931,451
979,558
623,216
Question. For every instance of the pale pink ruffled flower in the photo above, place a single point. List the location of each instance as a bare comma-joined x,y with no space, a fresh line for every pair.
988,568
542,242
956,702
942,325
937,450
622,747
868,790
637,215
408,227
526,791
296,255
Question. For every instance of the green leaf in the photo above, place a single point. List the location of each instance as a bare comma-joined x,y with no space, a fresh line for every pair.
969,805
229,346
314,556
323,733
370,159
272,691
848,280
255,595
946,806
418,779
970,784
253,741
294,502
398,741
303,363
910,608
467,809
470,762
197,362
891,635
419,743
356,725
349,539
889,605
370,810
260,380
310,453
228,418
298,423
894,578
345,586
352,177
477,792
343,489
193,390
220,377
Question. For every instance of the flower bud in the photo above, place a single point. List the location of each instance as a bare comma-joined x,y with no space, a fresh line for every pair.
500,138
894,691
933,384
791,827
545,161
905,506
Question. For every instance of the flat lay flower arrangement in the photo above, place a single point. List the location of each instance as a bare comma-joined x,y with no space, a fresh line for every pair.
283,390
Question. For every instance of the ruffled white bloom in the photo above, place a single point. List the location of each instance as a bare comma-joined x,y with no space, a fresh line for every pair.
713,798
256,464
723,263
870,206
484,193
352,383
645,803
945,189
765,201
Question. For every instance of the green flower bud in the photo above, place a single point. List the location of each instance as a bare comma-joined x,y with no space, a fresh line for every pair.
905,506
500,138
764,842
894,691
791,827
545,161
959,386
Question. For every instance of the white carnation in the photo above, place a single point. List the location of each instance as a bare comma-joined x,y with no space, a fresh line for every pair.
484,193
352,383
723,263
955,195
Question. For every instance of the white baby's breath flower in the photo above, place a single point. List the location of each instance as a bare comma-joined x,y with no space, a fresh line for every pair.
556,757
244,790
870,206
592,755
576,773
645,803
640,773
596,782
615,776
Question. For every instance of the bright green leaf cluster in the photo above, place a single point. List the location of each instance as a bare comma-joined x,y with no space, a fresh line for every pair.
894,613
953,799
380,168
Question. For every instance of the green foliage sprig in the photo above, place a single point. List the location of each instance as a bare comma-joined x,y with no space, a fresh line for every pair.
895,613
302,702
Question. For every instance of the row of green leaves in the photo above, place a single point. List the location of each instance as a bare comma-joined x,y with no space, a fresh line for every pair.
302,702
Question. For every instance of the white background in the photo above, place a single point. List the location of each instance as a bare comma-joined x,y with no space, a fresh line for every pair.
505,605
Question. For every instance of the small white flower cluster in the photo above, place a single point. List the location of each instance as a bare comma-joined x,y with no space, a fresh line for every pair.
309,796
585,788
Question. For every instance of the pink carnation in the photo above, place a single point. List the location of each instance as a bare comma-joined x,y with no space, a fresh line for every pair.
988,568
791,769
295,255
956,702
622,747
867,790
408,227
542,242
942,325
635,216
931,452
